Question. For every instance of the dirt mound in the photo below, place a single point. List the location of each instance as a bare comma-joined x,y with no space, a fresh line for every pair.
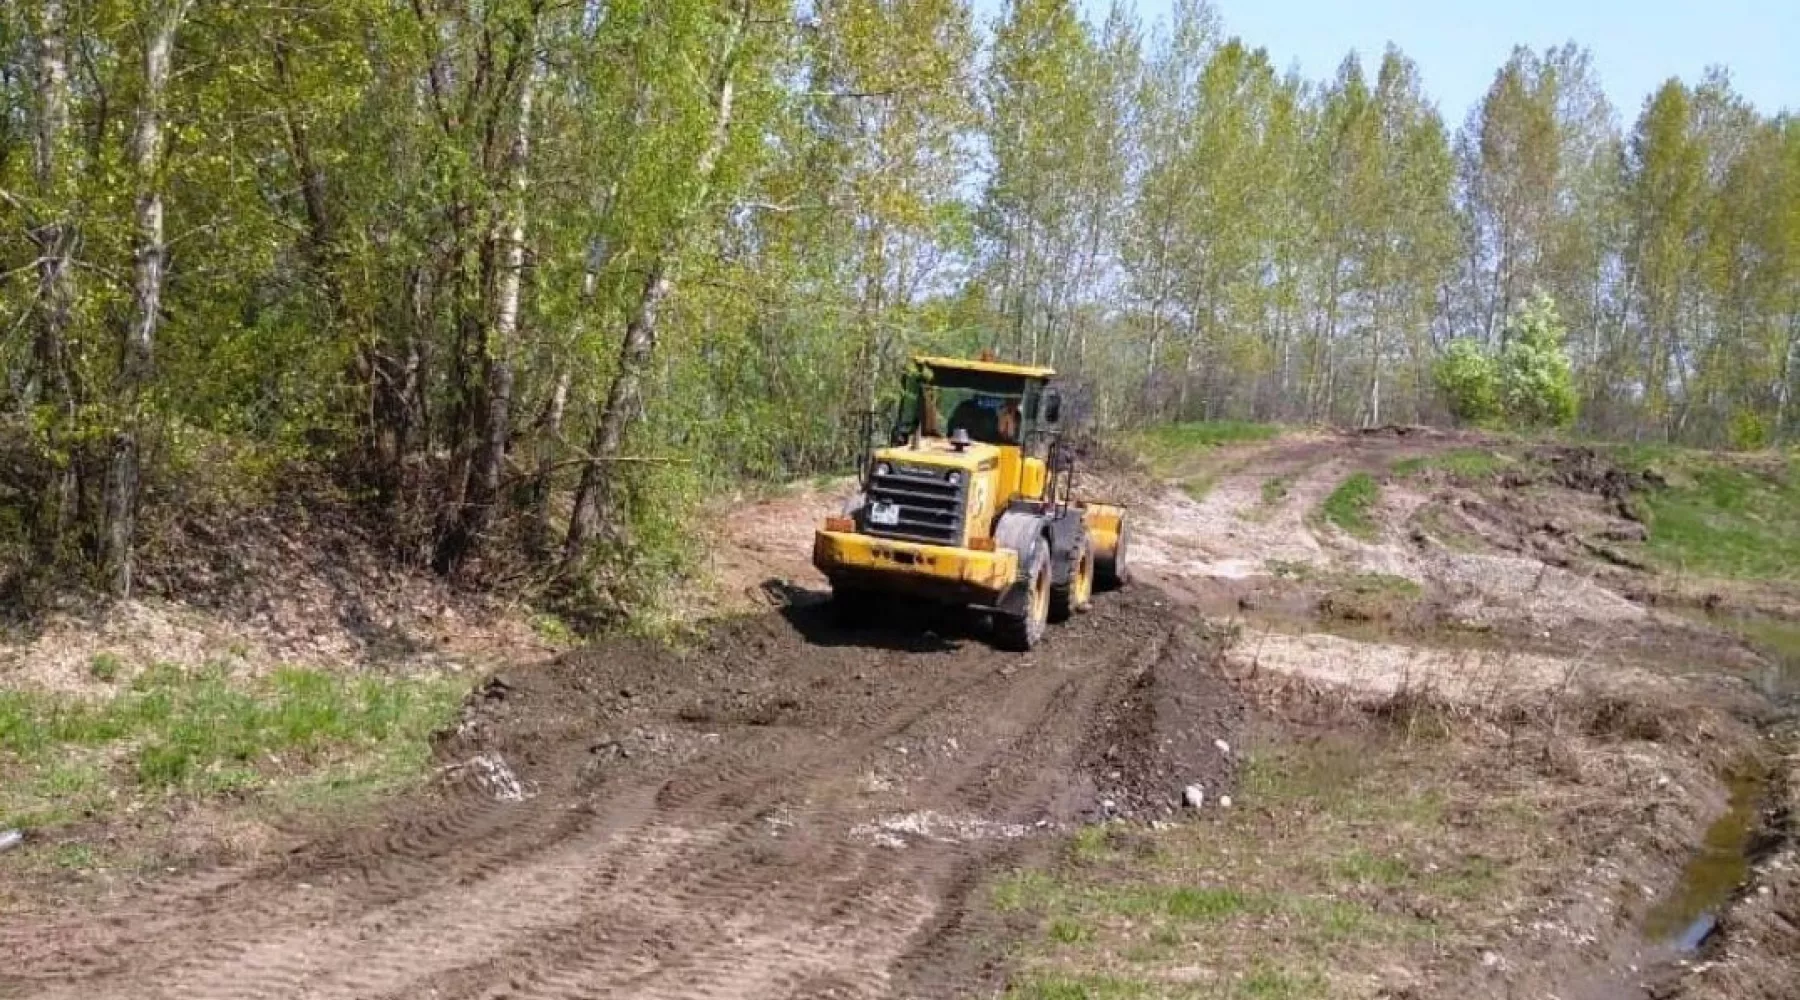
296,581
780,805
1174,728
1590,471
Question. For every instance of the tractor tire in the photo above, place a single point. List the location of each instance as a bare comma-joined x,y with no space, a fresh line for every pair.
1020,631
1076,594
1112,572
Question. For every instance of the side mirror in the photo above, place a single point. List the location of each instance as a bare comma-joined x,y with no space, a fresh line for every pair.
1052,406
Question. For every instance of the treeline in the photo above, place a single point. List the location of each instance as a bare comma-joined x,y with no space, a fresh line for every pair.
532,276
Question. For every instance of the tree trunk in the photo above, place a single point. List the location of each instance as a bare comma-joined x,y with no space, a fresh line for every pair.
537,540
595,510
49,381
473,516
124,473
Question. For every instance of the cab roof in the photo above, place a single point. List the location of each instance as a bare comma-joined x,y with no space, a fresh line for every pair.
992,367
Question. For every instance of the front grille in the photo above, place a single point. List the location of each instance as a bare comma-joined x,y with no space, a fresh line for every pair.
931,509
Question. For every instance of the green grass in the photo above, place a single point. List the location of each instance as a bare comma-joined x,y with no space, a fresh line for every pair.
1170,447
204,732
1350,505
1462,464
1727,520
1207,434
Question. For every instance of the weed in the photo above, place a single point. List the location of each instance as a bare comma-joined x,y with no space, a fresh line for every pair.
1349,505
73,857
1067,931
104,667
553,630
1024,890
1364,868
1090,844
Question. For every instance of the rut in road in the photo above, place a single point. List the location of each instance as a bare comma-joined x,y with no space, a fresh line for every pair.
785,811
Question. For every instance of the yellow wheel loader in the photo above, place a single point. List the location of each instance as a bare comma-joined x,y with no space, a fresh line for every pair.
970,503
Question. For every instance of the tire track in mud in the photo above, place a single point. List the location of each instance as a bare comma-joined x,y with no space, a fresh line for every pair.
746,870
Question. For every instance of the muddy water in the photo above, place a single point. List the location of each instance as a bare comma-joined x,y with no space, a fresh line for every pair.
1687,914
1776,638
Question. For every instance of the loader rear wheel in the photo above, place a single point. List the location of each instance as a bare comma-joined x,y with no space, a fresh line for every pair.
1112,572
1021,630
1077,594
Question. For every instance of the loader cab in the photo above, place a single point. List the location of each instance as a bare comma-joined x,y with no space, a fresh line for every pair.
1011,412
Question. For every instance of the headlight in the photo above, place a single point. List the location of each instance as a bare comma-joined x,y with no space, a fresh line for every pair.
883,469
954,478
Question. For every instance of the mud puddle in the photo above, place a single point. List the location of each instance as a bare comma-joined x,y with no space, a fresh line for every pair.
1689,913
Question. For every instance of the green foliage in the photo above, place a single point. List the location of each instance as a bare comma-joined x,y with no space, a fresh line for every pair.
1537,384
1159,211
203,731
1349,506
1749,431
1529,385
1469,380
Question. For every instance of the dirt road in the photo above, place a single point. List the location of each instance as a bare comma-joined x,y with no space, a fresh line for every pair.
786,811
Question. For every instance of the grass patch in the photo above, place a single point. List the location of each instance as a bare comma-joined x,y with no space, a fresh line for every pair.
1461,464
1353,854
206,733
1053,987
1727,520
1166,449
1368,597
1275,489
1198,487
105,667
1350,505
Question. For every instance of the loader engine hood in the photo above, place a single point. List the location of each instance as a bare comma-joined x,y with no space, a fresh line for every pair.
940,454
924,492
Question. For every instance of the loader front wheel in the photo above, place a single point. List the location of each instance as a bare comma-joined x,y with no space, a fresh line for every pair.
1022,629
1077,594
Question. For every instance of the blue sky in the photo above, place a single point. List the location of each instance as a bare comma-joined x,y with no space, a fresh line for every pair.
1636,43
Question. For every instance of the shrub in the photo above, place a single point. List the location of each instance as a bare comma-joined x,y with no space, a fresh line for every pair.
1470,382
1537,383
1530,384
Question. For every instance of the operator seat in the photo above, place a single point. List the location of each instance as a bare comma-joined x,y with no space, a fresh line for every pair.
981,423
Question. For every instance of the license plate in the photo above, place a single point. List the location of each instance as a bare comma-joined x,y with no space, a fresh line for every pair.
884,513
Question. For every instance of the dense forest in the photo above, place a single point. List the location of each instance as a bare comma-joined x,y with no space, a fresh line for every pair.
532,276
